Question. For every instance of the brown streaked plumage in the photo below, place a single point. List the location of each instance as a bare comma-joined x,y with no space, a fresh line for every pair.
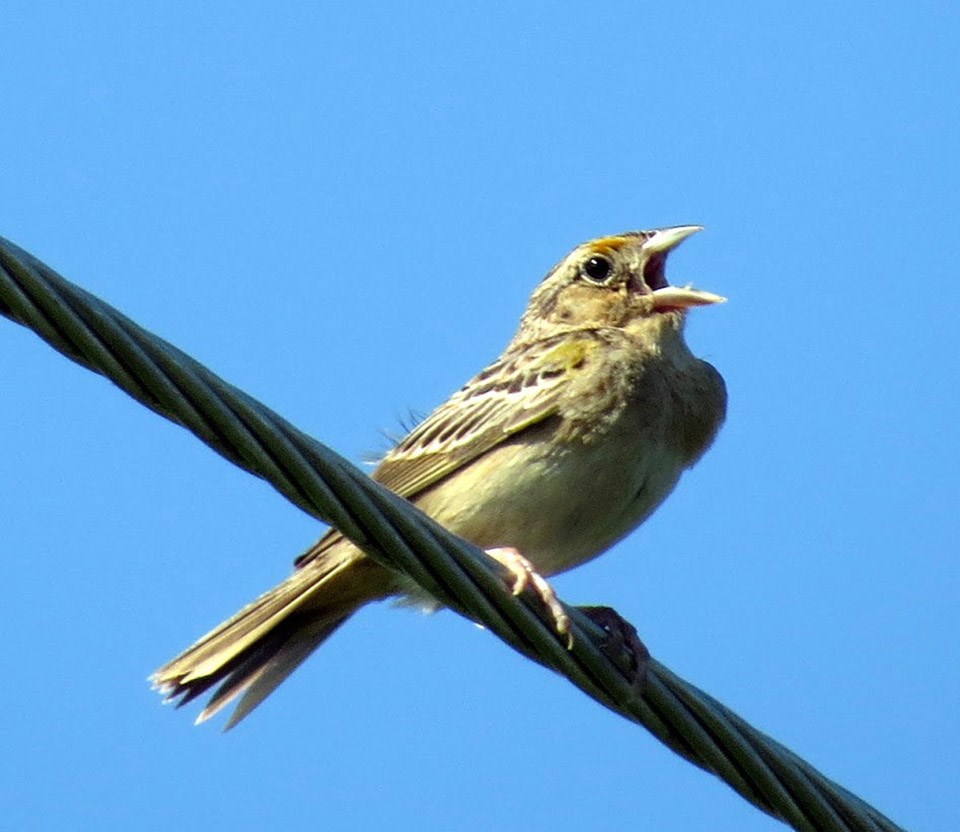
557,450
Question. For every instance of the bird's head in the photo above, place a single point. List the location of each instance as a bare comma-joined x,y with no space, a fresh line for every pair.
613,282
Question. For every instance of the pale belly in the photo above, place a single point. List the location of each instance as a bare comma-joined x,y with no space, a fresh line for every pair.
560,508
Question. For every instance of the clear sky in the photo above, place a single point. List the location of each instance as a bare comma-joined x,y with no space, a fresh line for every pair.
342,208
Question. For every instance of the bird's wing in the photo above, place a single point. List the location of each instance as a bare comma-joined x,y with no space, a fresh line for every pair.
519,390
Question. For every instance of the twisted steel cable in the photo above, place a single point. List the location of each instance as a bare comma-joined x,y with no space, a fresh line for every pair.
396,534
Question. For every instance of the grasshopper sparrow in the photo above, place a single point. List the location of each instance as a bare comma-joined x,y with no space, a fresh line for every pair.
546,458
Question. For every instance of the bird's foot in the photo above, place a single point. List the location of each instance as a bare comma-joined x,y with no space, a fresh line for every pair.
622,636
524,574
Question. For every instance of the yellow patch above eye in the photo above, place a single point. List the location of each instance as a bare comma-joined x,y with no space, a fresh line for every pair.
610,245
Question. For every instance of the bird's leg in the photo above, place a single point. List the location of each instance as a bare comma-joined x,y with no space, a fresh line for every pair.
622,636
524,574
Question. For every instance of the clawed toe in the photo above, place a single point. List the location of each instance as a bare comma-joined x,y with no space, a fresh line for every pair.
524,574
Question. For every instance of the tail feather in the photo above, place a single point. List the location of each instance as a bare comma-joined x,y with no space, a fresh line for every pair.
254,621
262,678
255,650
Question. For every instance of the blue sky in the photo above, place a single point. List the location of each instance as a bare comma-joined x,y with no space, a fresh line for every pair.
342,208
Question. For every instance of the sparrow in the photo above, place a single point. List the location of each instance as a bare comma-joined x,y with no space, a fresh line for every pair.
546,458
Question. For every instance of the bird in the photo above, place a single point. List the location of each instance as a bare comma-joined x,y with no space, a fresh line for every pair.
546,458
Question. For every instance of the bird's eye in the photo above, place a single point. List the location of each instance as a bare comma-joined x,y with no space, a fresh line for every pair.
597,269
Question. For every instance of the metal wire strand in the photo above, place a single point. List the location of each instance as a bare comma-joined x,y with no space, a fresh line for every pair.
326,486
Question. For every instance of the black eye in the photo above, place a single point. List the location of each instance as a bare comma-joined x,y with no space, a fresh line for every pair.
597,269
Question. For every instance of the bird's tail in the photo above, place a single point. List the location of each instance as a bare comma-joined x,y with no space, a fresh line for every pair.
255,650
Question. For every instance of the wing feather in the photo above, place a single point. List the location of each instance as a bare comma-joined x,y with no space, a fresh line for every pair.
519,390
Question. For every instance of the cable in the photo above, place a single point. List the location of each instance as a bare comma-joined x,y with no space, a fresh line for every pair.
393,532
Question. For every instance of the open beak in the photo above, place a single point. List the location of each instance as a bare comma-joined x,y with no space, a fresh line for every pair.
667,239
665,296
